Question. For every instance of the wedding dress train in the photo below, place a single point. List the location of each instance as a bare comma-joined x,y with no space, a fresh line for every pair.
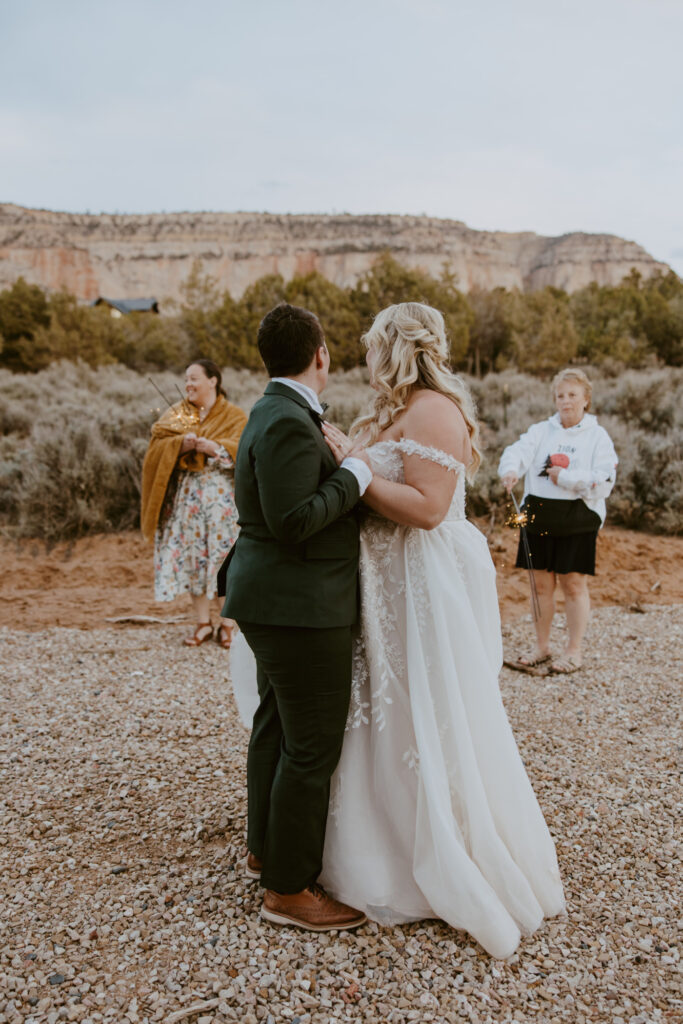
431,810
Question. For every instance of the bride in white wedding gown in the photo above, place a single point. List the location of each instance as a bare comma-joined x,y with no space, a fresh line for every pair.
431,810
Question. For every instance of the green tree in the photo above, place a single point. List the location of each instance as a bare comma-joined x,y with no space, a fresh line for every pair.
336,312
389,282
213,322
628,322
491,331
544,336
198,314
146,342
607,323
77,332
256,301
661,317
23,309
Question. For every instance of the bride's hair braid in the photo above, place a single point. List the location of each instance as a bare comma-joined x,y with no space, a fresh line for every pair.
411,351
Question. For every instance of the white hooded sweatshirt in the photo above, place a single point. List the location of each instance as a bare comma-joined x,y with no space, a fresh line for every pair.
592,461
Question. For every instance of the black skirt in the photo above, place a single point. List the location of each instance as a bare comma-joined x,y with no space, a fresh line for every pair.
573,553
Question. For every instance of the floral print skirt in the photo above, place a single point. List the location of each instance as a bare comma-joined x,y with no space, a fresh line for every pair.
197,528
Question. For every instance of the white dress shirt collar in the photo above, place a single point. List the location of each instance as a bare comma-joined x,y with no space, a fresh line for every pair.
360,469
303,390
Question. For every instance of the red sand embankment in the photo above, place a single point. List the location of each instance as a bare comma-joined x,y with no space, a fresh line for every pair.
80,584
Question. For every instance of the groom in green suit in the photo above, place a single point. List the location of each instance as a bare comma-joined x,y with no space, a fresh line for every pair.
292,585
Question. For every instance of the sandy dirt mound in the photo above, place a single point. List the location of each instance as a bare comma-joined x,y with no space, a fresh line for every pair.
84,583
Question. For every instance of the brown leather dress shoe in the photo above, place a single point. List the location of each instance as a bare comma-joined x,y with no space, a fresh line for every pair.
253,866
312,908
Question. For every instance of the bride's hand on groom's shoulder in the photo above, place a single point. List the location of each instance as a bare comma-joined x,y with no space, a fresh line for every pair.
342,446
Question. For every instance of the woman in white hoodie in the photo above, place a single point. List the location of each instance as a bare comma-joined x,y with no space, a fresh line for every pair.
569,465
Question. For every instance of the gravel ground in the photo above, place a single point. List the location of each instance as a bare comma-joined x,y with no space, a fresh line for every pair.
123,820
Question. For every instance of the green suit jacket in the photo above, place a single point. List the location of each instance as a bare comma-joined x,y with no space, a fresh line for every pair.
295,562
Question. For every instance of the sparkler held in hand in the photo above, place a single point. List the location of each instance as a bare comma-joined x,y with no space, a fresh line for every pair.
520,520
157,388
187,419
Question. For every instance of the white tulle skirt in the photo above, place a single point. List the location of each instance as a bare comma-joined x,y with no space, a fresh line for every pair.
432,814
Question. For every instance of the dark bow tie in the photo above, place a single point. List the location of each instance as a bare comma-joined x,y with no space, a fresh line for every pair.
316,415
319,416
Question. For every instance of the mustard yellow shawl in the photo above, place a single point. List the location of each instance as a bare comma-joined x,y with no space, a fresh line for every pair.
224,424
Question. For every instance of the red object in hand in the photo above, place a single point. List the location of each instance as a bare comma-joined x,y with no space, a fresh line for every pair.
559,460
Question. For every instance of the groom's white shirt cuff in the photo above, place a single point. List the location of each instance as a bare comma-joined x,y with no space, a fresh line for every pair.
360,469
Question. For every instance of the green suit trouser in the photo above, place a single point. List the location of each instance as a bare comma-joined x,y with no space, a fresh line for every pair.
304,682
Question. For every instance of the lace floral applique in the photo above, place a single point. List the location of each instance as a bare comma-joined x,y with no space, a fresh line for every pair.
411,759
380,626
424,451
387,461
359,707
386,550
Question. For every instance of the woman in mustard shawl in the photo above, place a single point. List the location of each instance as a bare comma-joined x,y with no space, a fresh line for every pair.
188,504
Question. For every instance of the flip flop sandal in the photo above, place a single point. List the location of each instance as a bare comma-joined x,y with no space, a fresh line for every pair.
224,636
530,665
196,640
564,666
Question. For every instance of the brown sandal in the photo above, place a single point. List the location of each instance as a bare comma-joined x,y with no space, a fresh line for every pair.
531,664
196,640
565,665
224,636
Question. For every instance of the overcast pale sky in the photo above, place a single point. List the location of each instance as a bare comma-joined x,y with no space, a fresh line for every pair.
541,115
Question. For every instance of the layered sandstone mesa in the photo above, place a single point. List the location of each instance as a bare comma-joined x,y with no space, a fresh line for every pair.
137,255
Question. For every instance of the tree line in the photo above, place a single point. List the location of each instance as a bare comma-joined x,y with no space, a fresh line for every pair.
636,323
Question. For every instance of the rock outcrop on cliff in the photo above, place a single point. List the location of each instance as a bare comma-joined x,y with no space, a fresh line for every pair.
135,255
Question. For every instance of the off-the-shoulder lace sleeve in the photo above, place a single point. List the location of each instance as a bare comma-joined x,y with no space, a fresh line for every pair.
410,447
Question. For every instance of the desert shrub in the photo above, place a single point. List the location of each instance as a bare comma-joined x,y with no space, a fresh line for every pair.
509,402
15,417
76,469
348,395
11,448
75,479
73,439
649,491
652,401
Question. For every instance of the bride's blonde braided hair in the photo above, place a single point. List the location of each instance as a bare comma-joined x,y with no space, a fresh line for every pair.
409,340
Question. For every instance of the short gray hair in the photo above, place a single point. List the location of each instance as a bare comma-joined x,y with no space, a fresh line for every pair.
575,374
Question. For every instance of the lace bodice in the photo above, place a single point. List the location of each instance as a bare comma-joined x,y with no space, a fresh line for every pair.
387,461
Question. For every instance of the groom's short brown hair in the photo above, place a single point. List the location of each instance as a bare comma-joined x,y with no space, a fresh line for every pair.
288,338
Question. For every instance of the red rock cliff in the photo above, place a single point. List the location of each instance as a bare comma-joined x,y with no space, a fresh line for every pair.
137,255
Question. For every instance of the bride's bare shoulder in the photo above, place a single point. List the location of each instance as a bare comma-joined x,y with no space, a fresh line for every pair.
435,420
431,409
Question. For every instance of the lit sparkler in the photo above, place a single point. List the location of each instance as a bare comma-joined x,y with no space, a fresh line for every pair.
520,520
186,418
